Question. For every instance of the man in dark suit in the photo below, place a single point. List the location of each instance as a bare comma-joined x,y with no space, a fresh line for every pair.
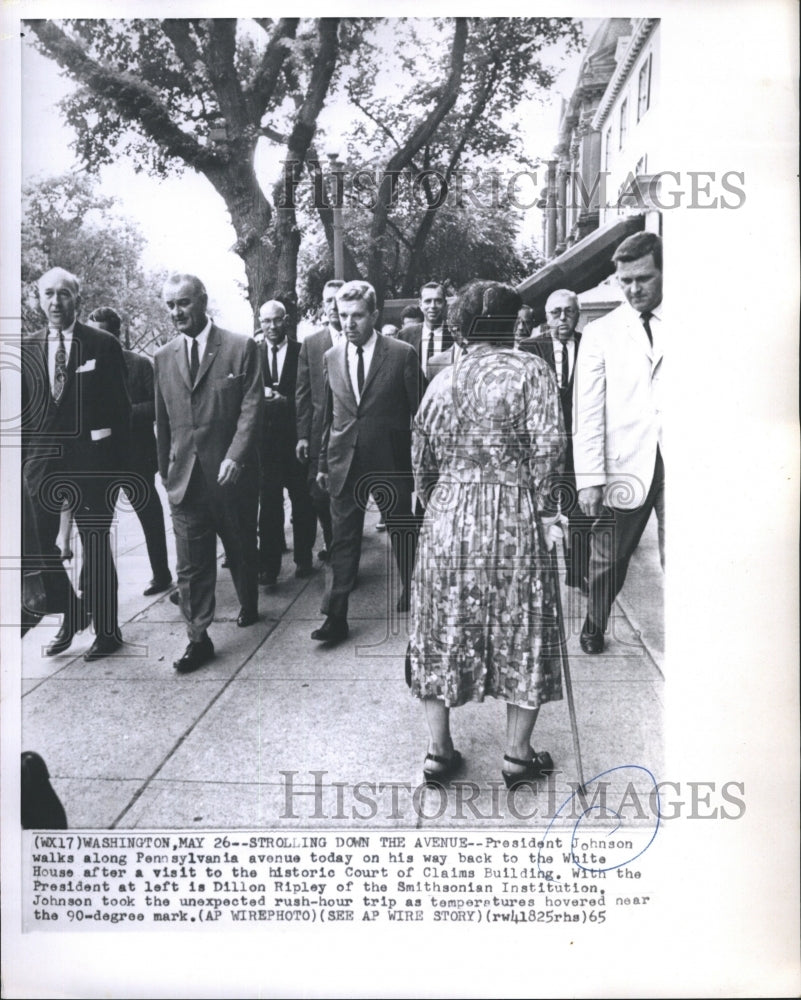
142,462
432,336
75,434
373,389
310,401
558,347
279,466
209,399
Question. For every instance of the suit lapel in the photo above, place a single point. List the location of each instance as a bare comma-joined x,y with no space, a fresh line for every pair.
379,353
212,347
342,365
181,360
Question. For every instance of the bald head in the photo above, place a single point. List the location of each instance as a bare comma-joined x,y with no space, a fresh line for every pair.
59,297
562,313
272,316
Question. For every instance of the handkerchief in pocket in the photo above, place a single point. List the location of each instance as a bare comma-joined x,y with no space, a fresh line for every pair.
88,367
102,432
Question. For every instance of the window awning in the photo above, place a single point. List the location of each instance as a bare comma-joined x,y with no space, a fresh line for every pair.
582,266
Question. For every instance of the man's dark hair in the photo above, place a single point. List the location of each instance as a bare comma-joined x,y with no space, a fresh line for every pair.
109,317
413,312
640,245
432,284
486,312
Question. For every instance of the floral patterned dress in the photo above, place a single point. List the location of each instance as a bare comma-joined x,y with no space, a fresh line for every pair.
487,437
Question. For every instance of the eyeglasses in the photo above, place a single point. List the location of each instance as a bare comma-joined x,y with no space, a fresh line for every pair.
565,311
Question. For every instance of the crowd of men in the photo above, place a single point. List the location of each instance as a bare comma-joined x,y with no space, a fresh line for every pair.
240,419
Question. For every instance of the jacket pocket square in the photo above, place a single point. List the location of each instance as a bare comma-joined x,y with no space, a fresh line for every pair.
102,432
88,367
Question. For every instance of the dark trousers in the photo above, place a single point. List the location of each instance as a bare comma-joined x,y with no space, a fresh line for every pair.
562,496
93,517
392,493
143,497
321,502
202,515
616,534
272,482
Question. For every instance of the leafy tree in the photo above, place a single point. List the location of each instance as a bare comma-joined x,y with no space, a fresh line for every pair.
201,93
65,223
441,129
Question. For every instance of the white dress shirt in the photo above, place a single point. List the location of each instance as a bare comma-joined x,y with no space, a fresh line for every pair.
202,339
52,347
353,360
558,347
280,357
438,335
336,335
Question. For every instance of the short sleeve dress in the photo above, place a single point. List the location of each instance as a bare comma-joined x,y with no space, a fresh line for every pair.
487,437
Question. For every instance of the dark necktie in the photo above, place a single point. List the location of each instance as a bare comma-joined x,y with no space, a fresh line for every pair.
360,370
430,348
60,368
194,362
274,368
565,367
646,322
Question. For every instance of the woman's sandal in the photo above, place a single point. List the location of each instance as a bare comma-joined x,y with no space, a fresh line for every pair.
450,765
538,766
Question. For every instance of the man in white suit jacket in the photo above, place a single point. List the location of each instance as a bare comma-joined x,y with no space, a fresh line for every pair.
617,424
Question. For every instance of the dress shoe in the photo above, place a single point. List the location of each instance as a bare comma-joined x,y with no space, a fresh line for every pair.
332,630
104,645
175,598
267,579
69,628
303,571
448,766
195,655
591,639
158,586
246,618
224,563
323,555
539,765
381,526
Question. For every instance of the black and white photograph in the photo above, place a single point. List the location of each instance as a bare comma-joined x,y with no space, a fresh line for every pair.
336,403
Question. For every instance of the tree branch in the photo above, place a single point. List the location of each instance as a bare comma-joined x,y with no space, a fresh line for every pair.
135,100
259,93
177,30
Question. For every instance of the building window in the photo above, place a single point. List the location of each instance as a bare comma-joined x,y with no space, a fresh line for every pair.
608,148
624,121
644,88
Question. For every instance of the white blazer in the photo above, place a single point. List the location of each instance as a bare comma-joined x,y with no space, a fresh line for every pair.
617,418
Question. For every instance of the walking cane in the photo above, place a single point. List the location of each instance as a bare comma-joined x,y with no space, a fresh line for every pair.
566,668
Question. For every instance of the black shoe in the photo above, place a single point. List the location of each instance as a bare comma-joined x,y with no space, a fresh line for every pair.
104,645
381,526
246,618
69,628
267,579
224,563
158,586
304,570
591,639
539,766
175,598
195,655
332,630
323,555
450,765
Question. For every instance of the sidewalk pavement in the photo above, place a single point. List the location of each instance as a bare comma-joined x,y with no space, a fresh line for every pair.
278,731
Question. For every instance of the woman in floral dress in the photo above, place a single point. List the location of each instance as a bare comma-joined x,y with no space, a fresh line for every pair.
488,437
